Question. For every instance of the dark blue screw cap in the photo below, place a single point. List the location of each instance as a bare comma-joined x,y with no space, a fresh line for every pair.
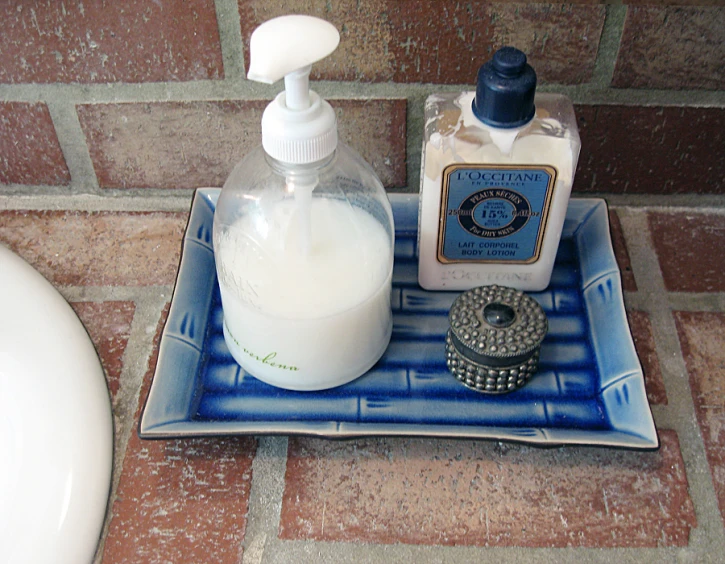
505,90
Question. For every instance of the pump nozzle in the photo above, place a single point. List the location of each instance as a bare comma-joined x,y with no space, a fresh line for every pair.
297,127
286,47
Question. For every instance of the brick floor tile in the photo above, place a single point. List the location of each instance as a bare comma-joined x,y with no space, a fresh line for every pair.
688,246
485,494
96,249
109,327
666,150
180,500
619,243
444,42
677,47
192,144
641,327
702,337
132,41
29,148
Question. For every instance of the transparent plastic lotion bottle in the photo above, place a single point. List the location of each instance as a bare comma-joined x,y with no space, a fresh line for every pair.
303,231
496,175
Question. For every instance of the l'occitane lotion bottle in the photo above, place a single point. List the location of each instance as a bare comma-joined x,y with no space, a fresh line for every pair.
496,175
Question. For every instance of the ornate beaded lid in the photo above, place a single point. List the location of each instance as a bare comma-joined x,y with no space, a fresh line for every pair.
494,338
497,323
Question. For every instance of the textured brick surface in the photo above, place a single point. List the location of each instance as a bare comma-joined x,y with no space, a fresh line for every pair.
701,338
651,150
181,500
193,144
132,41
444,42
619,244
109,327
485,494
641,327
672,47
97,249
29,148
689,247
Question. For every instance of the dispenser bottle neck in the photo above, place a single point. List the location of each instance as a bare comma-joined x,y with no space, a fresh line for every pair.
307,169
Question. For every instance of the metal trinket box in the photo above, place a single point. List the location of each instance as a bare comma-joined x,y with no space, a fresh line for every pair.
494,338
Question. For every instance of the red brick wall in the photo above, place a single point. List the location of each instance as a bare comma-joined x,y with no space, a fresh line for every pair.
150,94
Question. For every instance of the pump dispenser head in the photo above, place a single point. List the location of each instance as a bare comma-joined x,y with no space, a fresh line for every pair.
505,90
298,127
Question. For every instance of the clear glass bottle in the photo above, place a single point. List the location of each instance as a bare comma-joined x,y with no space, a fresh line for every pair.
496,175
303,240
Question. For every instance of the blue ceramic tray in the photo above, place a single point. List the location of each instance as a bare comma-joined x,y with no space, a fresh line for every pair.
589,390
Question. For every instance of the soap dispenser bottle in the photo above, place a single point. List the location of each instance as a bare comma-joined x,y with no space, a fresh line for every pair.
496,174
303,231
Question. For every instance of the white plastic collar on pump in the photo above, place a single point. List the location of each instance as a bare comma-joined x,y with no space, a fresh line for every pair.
298,127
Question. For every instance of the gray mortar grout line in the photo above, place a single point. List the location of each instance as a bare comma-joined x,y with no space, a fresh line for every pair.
681,409
680,301
236,89
710,302
121,92
319,552
16,197
230,37
665,417
16,192
609,45
73,145
662,201
265,499
590,95
635,301
178,201
115,293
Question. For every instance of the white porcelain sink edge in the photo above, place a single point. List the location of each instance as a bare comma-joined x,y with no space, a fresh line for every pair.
56,427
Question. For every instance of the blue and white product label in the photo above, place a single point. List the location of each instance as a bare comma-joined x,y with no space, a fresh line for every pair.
494,213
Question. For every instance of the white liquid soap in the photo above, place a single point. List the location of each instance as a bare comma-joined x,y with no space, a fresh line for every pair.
321,316
496,175
303,232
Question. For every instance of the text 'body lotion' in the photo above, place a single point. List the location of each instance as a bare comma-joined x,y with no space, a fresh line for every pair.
497,170
303,231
